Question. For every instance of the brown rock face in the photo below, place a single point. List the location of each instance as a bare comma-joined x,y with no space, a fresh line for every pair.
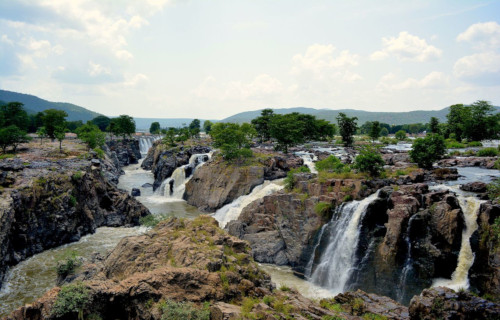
444,303
483,162
59,204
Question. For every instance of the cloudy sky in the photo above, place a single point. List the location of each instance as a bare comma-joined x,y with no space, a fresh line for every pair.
211,59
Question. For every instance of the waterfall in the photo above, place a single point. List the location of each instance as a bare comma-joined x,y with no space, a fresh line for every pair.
145,143
460,277
174,186
337,261
308,269
408,267
308,160
232,210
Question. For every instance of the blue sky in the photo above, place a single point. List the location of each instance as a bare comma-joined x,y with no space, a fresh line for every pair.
212,59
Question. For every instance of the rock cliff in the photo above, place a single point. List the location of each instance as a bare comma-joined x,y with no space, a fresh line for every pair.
44,204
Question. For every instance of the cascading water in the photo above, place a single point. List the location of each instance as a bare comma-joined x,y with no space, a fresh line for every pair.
337,261
145,143
232,210
309,159
175,186
408,266
460,277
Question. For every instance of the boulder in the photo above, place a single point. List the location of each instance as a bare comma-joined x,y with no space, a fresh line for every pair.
135,192
476,186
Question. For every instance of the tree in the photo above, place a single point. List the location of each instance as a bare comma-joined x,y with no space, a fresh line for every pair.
102,122
91,135
73,125
457,118
53,118
262,124
400,135
12,136
476,127
347,128
231,139
13,114
154,128
170,137
122,126
41,133
207,126
60,134
370,161
434,125
425,151
384,132
375,130
195,124
287,131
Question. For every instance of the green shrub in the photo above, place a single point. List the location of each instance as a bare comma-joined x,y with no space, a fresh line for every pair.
285,288
474,144
68,265
290,177
72,201
488,152
453,144
425,151
77,176
323,209
347,198
172,310
100,152
151,220
7,156
370,161
332,163
400,135
71,300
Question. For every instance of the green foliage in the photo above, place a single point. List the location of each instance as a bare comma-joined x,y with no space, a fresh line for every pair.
370,161
172,310
262,124
41,133
71,300
151,220
155,128
91,135
207,126
7,156
77,176
68,265
494,191
400,135
332,163
347,128
453,144
323,209
425,151
488,152
384,132
12,136
290,177
375,130
123,126
100,152
475,122
347,198
60,134
434,125
54,120
285,288
233,139
330,304
102,122
13,114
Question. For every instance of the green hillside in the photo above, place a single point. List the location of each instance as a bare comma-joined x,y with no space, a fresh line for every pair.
396,118
33,104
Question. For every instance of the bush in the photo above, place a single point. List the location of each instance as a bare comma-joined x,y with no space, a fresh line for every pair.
332,163
425,151
72,299
400,135
453,144
488,152
100,152
474,144
183,311
68,265
323,209
290,178
370,161
151,220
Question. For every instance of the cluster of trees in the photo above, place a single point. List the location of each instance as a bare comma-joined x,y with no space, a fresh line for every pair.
291,129
474,122
233,139
173,135
13,124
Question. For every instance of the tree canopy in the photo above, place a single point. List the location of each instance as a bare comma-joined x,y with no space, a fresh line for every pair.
155,127
475,122
102,122
347,128
13,113
52,119
123,126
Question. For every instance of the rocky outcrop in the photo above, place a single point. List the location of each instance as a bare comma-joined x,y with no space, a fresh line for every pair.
219,182
485,272
162,161
126,151
52,203
477,186
444,303
281,228
180,260
483,162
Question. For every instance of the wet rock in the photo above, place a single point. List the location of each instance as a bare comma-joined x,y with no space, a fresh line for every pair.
135,192
126,151
147,185
444,303
483,162
477,186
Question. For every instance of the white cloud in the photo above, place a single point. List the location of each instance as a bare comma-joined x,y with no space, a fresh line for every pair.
479,68
321,58
484,35
96,69
407,47
433,80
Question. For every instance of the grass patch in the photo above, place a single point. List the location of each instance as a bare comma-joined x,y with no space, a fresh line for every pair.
152,220
68,264
323,209
487,152
7,156
183,311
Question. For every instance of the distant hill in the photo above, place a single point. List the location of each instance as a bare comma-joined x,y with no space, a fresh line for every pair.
33,104
143,124
363,116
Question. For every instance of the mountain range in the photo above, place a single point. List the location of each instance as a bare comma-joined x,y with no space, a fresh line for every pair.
35,104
